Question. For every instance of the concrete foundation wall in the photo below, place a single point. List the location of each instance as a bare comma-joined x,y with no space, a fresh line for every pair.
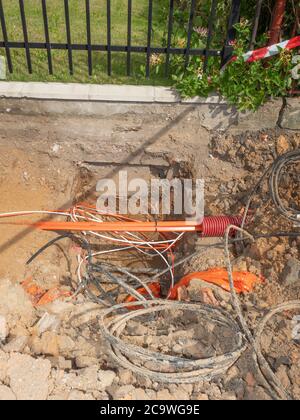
105,101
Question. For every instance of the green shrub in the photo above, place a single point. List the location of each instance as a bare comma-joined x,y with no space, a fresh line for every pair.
246,85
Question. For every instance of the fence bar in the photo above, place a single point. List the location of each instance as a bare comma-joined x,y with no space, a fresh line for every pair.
114,48
25,35
233,20
168,50
129,25
190,32
109,37
69,39
212,19
47,36
89,36
149,37
5,38
170,31
255,24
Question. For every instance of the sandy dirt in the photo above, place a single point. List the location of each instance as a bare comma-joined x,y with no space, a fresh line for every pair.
48,162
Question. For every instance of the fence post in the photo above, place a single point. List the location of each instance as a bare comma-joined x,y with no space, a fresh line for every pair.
108,18
5,38
190,31
129,37
69,39
47,36
235,14
25,35
255,24
149,37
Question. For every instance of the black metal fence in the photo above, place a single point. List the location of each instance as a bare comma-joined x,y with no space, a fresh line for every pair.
225,52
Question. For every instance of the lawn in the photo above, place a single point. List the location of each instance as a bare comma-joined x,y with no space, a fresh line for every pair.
57,29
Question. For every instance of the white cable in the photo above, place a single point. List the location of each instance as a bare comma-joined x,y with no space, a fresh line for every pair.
27,212
128,243
143,243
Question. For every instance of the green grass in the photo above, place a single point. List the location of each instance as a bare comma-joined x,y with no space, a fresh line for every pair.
78,27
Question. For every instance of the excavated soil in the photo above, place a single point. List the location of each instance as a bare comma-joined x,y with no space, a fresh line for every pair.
48,163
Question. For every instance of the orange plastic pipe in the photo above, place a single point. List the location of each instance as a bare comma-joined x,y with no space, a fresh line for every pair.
169,226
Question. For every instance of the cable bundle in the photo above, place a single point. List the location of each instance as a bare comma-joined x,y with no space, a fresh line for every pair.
166,368
278,169
92,270
144,245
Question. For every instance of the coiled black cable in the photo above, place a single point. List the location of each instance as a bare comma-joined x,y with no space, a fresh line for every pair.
278,169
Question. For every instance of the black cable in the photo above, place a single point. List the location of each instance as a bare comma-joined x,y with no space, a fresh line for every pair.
48,244
278,168
275,171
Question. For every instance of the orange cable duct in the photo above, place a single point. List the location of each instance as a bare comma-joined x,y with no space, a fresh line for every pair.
155,227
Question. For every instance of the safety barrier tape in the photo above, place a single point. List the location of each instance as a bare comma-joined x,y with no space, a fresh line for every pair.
270,51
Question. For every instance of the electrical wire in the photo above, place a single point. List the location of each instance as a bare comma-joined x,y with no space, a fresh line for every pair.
275,172
166,368
272,382
280,166
48,245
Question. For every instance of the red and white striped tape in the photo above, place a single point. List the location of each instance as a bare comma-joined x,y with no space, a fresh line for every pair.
270,51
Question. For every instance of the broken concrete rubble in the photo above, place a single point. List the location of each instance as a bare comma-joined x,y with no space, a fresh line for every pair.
106,378
15,305
291,115
47,323
85,361
16,344
28,378
291,273
46,345
6,394
61,363
3,329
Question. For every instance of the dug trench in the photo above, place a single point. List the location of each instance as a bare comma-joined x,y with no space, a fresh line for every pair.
53,162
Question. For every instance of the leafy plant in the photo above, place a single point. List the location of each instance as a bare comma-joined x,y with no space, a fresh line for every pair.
246,85
249,85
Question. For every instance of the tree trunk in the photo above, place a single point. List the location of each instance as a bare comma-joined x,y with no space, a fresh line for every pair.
277,20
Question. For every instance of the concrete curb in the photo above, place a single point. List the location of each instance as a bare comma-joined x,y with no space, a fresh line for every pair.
99,93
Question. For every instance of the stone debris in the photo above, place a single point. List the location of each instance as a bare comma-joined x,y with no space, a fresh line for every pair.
46,345
85,361
291,115
15,304
80,396
16,345
282,145
106,378
6,394
3,365
61,363
47,323
28,377
3,329
291,273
